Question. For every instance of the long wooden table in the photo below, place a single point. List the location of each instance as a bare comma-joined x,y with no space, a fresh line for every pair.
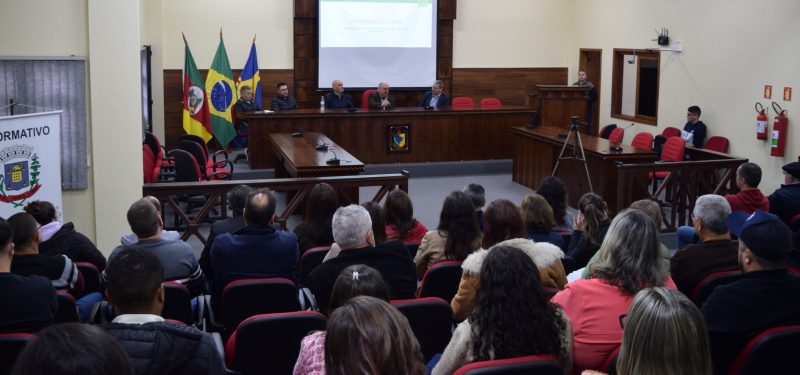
434,135
536,152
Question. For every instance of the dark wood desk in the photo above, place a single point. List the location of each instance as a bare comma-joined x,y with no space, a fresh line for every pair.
536,152
435,135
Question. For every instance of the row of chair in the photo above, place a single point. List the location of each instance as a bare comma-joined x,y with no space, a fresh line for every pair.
645,140
191,161
458,102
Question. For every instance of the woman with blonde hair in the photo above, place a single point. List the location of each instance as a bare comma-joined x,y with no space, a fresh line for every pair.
539,220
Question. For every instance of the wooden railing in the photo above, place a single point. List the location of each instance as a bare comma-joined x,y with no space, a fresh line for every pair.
215,193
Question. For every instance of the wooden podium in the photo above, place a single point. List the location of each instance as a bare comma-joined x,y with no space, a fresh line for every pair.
558,103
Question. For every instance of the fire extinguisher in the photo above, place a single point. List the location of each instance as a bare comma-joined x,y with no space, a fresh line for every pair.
762,122
779,128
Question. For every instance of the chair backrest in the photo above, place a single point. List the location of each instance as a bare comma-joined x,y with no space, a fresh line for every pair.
674,149
617,135
794,223
605,132
461,102
707,283
441,280
270,343
643,140
770,352
365,98
186,167
91,278
412,247
153,143
431,319
196,139
311,259
148,164
489,103
11,344
244,298
67,309
177,303
717,143
197,151
670,131
541,364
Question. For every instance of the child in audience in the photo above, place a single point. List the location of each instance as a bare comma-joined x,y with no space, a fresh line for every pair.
400,222
554,191
455,238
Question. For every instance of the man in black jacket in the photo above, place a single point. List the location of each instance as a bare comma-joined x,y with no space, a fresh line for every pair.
63,239
134,287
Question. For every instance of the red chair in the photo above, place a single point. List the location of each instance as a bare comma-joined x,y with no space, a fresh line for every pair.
311,259
178,304
717,143
463,102
605,132
157,167
706,285
673,151
770,352
209,169
431,319
643,140
491,103
441,280
244,298
67,309
540,364
670,131
365,98
11,344
91,278
617,135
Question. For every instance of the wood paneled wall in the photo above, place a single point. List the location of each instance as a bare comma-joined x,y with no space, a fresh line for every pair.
510,85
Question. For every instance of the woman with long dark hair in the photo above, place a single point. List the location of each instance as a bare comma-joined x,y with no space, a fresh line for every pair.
400,222
316,229
590,230
554,191
455,238
512,317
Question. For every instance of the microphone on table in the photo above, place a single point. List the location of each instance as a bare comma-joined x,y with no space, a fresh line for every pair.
322,147
298,133
334,160
614,145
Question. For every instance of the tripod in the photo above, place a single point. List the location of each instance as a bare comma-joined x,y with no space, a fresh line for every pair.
576,147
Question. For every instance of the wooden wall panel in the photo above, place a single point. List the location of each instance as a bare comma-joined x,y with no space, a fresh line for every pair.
510,85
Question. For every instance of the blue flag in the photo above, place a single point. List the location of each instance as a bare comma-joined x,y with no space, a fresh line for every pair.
250,76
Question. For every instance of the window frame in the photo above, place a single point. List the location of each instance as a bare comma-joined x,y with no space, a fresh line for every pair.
616,83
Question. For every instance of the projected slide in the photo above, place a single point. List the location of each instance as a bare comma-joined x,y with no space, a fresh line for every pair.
387,23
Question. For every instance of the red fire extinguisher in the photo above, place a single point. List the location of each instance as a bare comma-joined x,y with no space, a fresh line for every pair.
779,128
762,122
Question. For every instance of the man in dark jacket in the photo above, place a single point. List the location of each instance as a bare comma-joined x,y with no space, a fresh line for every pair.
62,239
134,287
785,202
237,197
436,97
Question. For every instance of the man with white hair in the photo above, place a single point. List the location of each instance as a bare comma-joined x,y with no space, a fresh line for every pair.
381,99
352,231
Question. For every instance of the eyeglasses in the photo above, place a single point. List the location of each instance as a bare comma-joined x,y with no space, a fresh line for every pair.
622,320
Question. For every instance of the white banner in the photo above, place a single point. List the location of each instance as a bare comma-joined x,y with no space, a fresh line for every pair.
30,158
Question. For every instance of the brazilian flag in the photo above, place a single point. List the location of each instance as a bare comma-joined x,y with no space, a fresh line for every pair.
221,92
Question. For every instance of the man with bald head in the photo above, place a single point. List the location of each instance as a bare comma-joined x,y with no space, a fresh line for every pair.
337,98
381,99
257,250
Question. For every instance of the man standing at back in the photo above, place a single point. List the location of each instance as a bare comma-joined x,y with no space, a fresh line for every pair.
591,96
749,198
381,99
436,97
257,250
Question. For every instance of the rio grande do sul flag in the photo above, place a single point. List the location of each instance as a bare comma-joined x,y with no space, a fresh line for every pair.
196,120
222,94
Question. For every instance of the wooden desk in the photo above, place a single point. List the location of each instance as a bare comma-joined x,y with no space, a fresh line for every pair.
435,135
536,152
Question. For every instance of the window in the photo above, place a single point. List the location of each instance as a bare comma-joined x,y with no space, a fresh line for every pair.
634,88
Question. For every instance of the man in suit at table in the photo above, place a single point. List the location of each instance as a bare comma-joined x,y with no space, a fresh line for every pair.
436,97
381,99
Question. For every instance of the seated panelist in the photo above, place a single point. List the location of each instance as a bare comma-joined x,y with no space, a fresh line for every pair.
436,97
381,99
337,98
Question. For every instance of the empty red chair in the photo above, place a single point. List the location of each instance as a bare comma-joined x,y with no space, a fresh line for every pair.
541,364
643,140
490,103
311,259
431,319
11,344
717,143
673,150
770,352
441,280
617,135
247,297
605,132
67,309
670,131
463,102
364,98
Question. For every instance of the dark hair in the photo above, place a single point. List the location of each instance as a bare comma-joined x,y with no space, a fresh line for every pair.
378,221
143,218
133,276
554,191
6,234
357,280
694,109
512,317
458,220
25,228
477,194
260,206
537,213
43,211
73,349
750,173
237,198
399,212
280,84
369,336
594,212
501,222
320,206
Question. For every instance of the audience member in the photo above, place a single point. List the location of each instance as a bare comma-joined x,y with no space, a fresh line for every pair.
237,198
337,98
694,132
767,296
436,97
512,317
134,287
455,238
355,280
502,221
369,336
554,191
539,220
63,239
352,231
400,222
282,100
591,226
30,301
785,201
628,263
591,96
73,349
27,260
246,102
316,230
169,235
177,257
381,99
257,250
378,221
749,198
477,193
715,252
